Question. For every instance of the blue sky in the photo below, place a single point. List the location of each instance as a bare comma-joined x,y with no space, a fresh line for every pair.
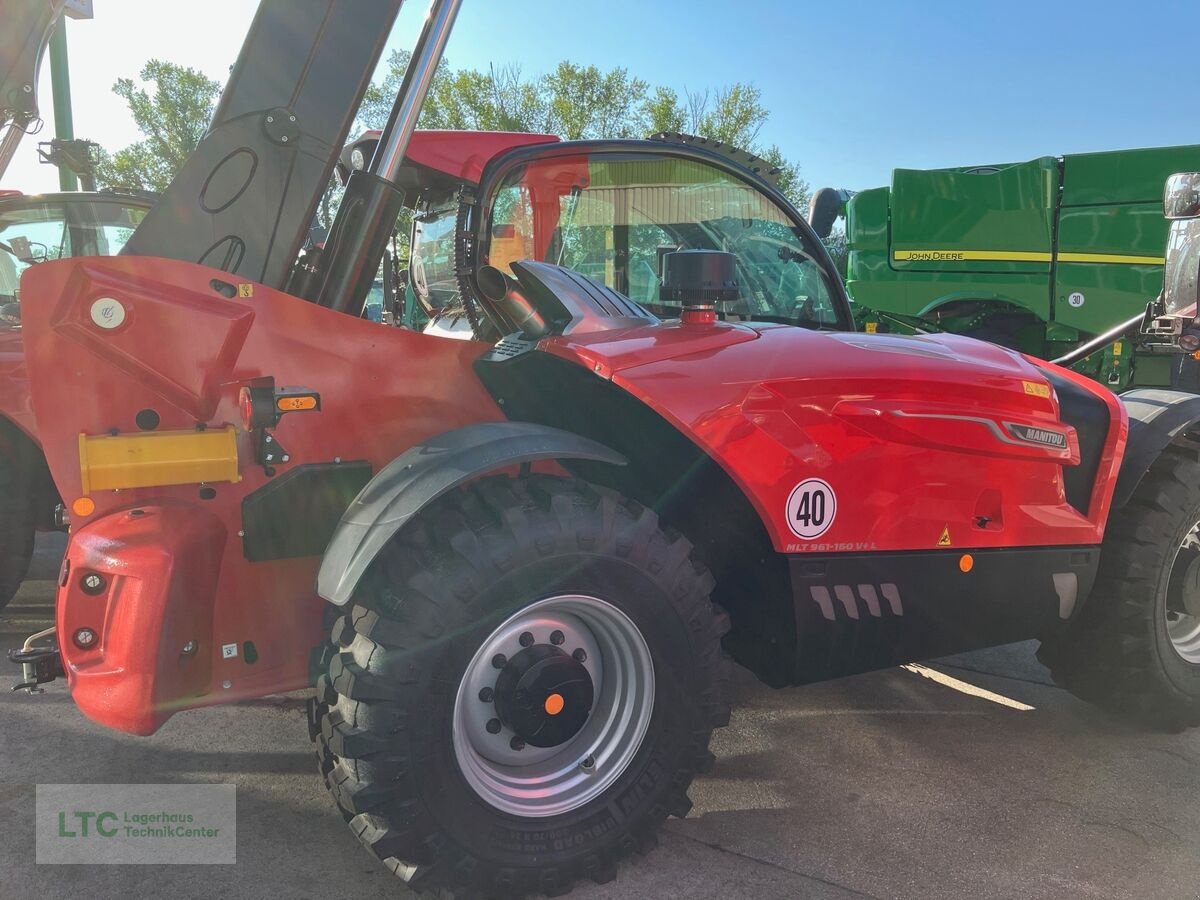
855,88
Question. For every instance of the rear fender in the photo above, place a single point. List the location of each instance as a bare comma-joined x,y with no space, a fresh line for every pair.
1156,418
422,474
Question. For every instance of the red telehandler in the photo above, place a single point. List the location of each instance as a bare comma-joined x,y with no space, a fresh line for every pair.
512,565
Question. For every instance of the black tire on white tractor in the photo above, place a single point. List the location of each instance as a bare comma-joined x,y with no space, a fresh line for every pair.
522,689
1135,649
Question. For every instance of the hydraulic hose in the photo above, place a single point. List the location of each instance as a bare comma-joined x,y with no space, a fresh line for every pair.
1100,341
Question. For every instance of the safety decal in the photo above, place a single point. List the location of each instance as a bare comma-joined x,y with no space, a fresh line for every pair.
108,313
245,290
1036,390
811,508
228,651
944,540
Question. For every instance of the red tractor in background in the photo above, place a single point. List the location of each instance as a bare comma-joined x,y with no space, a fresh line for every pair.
512,565
35,229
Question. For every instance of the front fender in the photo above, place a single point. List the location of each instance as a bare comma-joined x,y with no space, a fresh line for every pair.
422,474
1156,418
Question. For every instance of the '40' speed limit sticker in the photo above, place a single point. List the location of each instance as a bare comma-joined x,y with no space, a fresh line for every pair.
810,508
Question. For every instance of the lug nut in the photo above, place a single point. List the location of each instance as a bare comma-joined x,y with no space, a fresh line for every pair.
580,655
499,661
493,726
85,637
486,694
526,639
516,743
557,637
588,764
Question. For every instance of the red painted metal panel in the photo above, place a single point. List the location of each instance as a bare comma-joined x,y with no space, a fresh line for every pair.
185,350
463,154
910,434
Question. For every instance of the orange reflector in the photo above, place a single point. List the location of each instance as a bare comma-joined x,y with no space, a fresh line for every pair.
83,506
966,562
554,704
295,404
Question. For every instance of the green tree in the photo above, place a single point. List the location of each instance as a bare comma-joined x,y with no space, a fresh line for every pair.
583,102
172,116
664,112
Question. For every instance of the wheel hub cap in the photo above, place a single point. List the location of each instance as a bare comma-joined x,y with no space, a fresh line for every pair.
544,695
553,706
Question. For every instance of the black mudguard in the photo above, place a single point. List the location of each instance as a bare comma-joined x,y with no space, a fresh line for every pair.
1156,418
422,474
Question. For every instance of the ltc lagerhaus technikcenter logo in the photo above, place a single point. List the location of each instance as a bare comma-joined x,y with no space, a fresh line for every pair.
136,824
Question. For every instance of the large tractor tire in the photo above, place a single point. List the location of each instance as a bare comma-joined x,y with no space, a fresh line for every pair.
1135,649
20,470
522,690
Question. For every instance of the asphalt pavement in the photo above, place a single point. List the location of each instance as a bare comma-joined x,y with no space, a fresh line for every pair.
971,777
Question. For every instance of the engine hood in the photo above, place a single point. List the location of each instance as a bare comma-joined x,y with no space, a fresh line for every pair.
917,436
795,361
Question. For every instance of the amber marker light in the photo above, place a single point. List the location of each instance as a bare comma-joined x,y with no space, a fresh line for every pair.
296,404
83,506
966,562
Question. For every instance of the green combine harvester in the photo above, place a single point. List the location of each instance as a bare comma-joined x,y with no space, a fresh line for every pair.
1046,256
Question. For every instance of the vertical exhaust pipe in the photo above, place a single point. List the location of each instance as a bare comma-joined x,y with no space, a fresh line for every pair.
372,201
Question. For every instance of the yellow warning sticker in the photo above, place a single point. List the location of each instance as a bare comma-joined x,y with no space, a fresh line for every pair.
245,290
1036,390
872,327
944,540
1118,347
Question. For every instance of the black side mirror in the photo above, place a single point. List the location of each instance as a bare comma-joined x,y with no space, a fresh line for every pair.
824,208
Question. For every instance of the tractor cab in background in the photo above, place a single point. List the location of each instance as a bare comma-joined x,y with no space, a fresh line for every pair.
41,227
1171,322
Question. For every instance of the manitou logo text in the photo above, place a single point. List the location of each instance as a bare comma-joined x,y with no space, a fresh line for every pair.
1040,436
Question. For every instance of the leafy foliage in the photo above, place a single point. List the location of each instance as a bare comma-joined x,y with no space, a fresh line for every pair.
582,102
573,101
173,118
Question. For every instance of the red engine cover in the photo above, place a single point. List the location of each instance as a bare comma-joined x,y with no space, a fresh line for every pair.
912,441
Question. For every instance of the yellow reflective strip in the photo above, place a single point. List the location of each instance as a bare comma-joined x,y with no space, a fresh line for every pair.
1021,256
157,458
1111,258
969,256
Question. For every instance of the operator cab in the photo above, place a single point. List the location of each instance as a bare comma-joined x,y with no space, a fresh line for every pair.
1171,321
610,210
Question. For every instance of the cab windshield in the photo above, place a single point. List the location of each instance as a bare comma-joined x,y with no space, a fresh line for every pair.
613,216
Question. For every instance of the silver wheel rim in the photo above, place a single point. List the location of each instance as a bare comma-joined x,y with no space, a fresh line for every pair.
1183,617
535,782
